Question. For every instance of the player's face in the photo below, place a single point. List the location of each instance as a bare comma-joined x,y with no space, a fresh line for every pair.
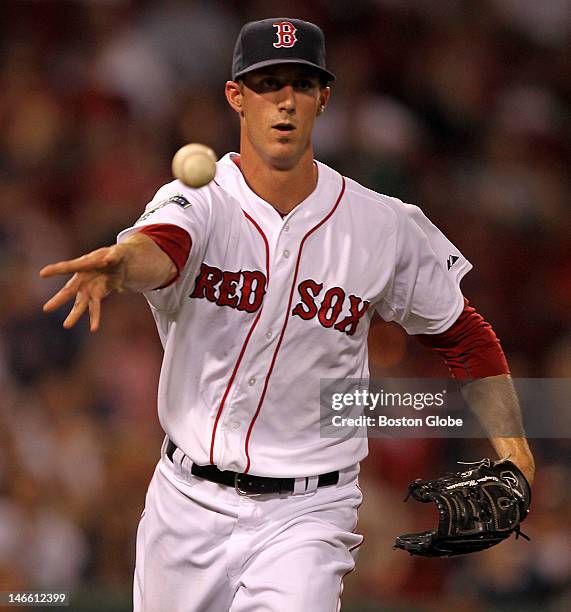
278,106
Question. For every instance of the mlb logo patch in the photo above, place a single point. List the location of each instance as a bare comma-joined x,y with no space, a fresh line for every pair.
180,200
177,199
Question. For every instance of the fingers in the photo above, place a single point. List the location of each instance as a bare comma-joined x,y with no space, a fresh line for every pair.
96,260
65,294
94,314
95,275
79,307
84,297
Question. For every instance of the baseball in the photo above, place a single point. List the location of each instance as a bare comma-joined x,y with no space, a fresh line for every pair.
194,165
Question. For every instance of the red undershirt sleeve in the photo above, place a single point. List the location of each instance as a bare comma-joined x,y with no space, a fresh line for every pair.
470,347
174,241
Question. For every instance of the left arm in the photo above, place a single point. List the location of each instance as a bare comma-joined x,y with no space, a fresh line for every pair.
473,354
422,297
494,402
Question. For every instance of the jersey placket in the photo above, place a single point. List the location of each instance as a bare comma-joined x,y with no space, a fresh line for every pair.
243,403
284,261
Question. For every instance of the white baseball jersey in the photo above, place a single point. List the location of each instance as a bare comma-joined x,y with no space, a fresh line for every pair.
267,306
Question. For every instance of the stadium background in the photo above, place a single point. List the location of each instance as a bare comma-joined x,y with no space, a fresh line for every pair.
461,107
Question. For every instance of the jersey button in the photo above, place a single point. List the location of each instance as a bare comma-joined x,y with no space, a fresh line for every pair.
252,382
286,228
286,253
268,335
235,425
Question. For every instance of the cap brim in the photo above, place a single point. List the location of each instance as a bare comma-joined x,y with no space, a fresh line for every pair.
330,76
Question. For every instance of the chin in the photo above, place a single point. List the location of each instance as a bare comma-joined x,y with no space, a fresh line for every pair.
284,155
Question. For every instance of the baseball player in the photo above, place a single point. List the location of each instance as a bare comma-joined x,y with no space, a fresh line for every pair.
261,283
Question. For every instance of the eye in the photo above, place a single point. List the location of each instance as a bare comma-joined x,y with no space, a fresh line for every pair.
303,84
270,83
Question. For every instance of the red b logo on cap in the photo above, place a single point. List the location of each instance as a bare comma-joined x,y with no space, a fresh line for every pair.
285,32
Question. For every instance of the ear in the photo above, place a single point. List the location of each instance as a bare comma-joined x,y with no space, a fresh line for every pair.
234,95
324,95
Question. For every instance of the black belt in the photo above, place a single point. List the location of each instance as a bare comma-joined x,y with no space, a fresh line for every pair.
247,484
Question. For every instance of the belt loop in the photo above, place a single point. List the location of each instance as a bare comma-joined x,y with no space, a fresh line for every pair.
186,467
181,465
164,446
312,483
299,486
178,457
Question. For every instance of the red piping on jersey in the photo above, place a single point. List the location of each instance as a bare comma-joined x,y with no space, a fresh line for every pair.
293,285
243,350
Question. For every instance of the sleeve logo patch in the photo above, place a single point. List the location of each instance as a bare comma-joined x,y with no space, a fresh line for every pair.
180,200
177,199
452,259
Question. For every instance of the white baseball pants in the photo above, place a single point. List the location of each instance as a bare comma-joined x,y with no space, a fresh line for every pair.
201,547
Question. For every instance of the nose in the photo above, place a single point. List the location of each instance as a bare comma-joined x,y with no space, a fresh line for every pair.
286,100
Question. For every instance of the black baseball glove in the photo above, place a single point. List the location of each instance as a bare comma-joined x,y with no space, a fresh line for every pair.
477,509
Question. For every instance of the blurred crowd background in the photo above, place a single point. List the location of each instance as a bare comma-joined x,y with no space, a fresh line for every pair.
461,107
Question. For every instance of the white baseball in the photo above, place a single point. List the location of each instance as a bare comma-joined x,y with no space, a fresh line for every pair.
194,165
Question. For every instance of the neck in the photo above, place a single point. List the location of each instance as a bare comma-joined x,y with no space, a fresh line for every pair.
283,188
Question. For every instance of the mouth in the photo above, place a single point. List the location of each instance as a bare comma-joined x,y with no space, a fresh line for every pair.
283,127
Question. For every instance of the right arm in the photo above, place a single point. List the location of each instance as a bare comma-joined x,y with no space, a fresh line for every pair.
137,264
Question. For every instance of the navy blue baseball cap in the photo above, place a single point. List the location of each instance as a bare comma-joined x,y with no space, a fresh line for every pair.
279,41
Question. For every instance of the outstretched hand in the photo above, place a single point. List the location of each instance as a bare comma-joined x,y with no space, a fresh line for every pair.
95,276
